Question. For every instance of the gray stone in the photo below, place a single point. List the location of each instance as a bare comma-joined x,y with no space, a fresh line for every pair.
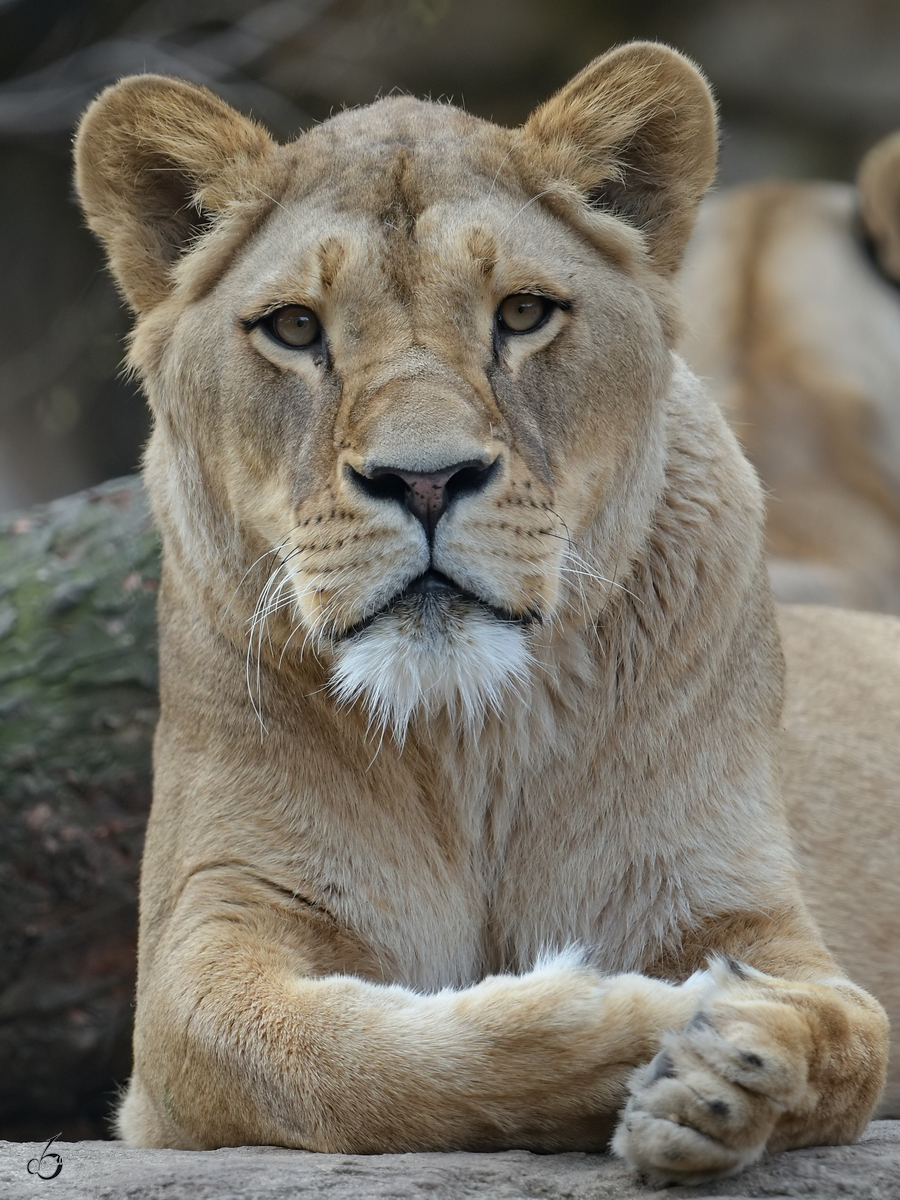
109,1171
77,712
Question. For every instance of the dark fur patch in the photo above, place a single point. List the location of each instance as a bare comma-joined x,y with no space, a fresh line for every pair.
662,1067
405,202
736,968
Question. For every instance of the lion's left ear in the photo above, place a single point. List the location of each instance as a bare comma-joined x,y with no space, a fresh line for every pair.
635,133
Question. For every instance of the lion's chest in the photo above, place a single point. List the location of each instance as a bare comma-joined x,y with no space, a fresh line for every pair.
495,880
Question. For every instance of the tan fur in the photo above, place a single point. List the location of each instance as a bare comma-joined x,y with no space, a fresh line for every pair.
842,780
465,920
798,333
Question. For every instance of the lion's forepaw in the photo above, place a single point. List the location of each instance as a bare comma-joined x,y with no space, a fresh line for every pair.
708,1102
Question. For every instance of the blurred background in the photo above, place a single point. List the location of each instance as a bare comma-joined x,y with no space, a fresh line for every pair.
805,87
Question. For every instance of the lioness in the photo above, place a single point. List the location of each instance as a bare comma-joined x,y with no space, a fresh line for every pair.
467,827
794,320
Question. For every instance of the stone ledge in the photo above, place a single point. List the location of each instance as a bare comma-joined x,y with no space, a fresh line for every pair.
109,1171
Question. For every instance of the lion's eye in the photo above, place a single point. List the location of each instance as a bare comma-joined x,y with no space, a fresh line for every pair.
294,325
523,312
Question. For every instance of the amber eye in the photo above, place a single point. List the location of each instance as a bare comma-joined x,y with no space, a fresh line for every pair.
523,312
294,325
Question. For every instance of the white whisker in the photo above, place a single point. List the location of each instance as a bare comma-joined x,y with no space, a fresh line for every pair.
528,204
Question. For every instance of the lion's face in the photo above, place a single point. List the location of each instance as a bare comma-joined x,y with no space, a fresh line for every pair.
420,393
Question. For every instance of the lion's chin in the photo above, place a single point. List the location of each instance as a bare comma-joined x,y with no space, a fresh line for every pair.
417,661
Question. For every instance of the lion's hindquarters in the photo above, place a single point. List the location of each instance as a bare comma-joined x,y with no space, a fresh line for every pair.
841,769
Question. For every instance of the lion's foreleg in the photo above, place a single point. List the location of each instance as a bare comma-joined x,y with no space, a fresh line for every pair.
234,1045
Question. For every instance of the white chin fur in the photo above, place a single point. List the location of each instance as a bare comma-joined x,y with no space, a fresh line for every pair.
402,668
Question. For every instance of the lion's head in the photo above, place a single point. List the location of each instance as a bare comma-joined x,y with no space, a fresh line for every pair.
408,372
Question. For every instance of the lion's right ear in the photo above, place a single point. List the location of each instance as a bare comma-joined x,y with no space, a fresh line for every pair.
156,161
878,186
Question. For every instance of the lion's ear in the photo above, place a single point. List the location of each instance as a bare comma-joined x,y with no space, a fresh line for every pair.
878,185
156,161
635,133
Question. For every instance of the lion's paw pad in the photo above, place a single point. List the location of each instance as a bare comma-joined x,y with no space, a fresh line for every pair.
707,1103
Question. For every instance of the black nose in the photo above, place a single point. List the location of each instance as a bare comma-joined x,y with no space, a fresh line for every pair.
427,494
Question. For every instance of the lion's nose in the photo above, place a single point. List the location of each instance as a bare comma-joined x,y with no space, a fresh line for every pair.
427,494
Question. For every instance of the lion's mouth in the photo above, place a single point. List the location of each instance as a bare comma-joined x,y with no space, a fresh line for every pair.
433,596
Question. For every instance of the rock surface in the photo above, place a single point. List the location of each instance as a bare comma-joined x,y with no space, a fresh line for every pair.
109,1171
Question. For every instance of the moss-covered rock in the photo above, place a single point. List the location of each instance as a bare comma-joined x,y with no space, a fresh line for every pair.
78,580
